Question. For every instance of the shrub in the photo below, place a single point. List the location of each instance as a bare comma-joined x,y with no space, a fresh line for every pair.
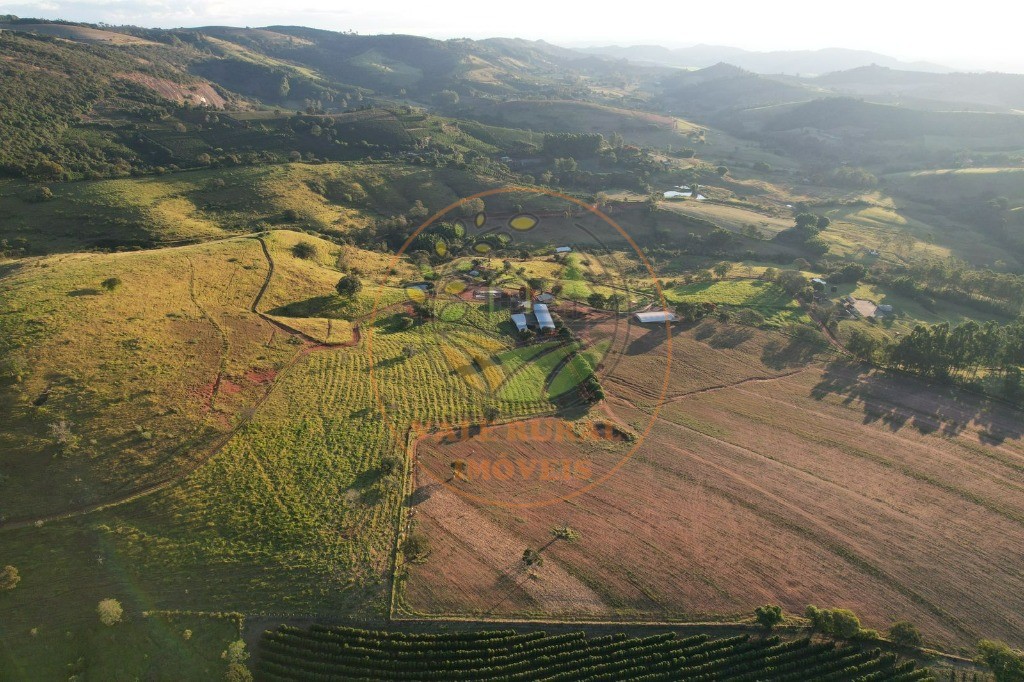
1006,664
236,652
304,250
416,547
60,432
9,578
111,283
565,533
40,195
905,633
110,612
841,623
532,557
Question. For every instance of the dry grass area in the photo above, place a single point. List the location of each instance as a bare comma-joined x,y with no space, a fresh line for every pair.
821,485
148,373
142,375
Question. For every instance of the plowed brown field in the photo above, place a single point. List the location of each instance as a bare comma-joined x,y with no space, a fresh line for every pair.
766,481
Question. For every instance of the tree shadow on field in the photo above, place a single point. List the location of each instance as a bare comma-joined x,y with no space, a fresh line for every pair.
85,292
654,337
729,336
792,353
898,401
422,494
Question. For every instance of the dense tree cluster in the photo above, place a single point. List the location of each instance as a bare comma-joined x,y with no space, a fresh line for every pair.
941,351
805,234
573,145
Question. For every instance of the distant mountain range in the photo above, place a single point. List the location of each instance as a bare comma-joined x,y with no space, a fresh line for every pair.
790,62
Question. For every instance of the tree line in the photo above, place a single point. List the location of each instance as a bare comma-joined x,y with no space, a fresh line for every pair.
942,351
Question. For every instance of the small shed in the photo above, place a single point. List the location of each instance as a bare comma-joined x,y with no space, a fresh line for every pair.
488,293
519,320
544,298
655,316
544,321
563,249
818,283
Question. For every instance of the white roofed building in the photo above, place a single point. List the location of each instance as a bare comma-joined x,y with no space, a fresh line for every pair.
544,321
655,316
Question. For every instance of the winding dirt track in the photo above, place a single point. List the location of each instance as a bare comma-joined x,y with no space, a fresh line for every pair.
216,446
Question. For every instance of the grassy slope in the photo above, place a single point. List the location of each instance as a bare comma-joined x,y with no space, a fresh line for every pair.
294,515
134,371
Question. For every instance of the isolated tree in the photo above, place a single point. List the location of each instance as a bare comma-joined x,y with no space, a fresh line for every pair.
9,578
532,557
721,270
304,250
905,633
348,286
596,300
459,469
111,283
722,171
110,612
416,546
768,616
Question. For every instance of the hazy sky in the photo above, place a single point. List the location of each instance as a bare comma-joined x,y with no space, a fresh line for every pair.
983,34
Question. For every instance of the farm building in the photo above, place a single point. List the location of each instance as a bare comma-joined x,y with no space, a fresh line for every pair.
488,293
544,321
563,249
655,316
544,298
519,320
